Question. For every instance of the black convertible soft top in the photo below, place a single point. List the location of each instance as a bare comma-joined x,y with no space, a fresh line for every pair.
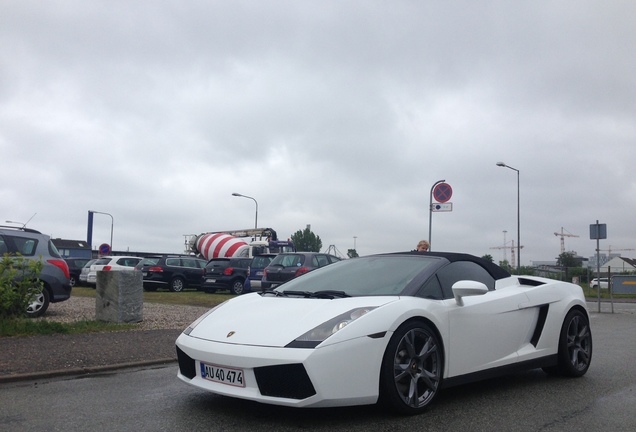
493,269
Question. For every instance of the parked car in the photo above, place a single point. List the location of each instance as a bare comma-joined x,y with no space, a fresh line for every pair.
83,277
225,274
255,271
604,283
33,245
412,323
287,266
174,273
111,263
75,266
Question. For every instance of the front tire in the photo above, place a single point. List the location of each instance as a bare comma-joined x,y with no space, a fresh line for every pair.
575,346
176,285
39,304
411,373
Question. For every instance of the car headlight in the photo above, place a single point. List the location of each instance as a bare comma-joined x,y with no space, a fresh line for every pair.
201,318
318,334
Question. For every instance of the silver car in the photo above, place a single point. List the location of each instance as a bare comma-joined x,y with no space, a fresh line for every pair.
83,277
34,245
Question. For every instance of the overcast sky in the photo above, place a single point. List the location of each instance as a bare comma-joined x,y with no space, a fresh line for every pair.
337,114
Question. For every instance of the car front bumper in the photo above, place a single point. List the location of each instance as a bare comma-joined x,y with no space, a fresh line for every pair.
316,374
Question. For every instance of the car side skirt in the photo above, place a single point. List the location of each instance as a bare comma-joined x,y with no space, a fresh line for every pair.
541,362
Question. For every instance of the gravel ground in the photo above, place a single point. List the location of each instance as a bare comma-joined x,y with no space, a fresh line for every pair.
151,341
155,316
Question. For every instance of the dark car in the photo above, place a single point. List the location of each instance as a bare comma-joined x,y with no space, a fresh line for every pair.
287,266
172,272
225,274
255,271
75,266
33,245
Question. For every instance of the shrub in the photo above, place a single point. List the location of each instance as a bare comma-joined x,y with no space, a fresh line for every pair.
18,284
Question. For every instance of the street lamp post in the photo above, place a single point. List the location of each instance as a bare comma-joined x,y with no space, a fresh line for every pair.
501,164
255,202
112,223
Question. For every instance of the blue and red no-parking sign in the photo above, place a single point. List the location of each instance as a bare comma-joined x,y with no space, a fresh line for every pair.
442,192
104,249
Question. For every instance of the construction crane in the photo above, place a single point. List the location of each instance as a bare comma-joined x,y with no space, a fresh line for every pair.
512,252
562,235
609,250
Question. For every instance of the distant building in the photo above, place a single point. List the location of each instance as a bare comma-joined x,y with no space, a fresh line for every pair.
619,265
73,248
602,259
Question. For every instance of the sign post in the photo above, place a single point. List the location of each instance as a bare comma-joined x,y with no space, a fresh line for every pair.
442,192
597,232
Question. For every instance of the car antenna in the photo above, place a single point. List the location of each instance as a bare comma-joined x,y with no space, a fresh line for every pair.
25,224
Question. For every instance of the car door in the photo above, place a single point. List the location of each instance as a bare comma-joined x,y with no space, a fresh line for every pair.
192,271
488,330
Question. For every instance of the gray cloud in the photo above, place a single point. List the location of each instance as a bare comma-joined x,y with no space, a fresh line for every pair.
341,115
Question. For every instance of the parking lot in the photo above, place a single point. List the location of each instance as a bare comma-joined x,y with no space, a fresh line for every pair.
153,399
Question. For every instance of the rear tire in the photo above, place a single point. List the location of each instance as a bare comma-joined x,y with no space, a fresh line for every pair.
575,346
176,285
411,373
237,287
39,304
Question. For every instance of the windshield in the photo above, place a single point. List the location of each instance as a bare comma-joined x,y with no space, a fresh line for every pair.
367,276
222,263
261,261
289,260
149,261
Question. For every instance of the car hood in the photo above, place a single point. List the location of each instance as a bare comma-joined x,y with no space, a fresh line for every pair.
274,321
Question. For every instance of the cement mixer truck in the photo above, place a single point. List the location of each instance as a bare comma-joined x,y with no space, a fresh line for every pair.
225,244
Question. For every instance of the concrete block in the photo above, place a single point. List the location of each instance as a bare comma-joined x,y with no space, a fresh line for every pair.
119,296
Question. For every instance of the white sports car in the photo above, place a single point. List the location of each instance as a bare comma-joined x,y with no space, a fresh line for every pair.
392,328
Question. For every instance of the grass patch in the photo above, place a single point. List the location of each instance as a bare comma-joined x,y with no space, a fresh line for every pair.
184,298
605,295
30,327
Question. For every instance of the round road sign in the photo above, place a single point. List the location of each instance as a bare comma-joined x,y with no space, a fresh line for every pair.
104,249
442,192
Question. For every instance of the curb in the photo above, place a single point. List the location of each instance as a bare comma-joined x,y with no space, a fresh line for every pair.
82,371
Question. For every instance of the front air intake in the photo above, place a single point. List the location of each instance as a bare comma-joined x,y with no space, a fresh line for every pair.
187,365
285,381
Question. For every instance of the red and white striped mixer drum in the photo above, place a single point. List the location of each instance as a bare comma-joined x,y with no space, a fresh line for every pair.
221,245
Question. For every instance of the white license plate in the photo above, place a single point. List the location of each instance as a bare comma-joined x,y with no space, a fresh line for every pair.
224,375
210,280
259,273
144,273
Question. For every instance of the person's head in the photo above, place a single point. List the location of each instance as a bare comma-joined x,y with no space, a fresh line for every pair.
422,246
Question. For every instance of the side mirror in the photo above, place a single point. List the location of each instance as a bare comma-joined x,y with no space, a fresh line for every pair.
464,288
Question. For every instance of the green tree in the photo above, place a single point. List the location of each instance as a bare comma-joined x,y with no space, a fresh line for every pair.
306,241
568,259
527,270
505,265
488,258
18,284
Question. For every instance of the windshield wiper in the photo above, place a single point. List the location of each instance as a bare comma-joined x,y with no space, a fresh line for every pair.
297,293
329,294
324,294
272,292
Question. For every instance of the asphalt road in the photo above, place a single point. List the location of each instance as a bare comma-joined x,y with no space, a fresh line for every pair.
153,399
